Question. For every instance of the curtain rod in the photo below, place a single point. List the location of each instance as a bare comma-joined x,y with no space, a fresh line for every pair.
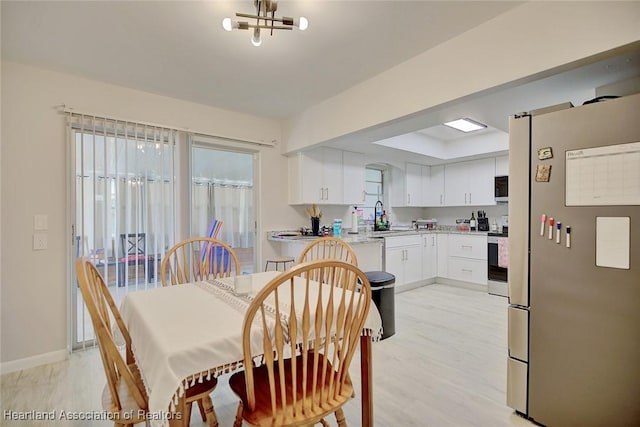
63,108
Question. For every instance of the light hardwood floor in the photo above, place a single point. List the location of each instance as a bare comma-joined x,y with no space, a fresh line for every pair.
444,367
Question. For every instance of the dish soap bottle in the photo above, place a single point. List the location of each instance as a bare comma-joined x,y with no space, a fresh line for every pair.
472,222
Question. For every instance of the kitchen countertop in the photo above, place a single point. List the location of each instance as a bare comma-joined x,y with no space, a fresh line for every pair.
372,237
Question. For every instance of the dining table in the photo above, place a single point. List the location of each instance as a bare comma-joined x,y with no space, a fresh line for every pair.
186,333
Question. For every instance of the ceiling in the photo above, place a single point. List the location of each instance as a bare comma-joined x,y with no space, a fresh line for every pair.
179,49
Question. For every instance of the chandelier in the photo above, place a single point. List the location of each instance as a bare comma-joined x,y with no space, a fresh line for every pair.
265,18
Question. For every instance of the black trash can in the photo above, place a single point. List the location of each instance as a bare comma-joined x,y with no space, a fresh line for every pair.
383,295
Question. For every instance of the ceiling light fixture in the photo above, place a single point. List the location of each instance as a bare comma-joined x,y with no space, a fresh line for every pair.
265,18
465,125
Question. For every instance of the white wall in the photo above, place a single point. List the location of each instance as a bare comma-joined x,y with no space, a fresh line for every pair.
527,40
35,284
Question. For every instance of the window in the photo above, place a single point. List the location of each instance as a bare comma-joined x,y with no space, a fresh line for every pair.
374,180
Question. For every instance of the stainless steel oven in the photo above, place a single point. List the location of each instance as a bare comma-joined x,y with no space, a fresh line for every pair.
497,275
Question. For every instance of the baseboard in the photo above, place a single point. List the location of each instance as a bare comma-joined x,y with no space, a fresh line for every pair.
33,361
461,284
440,280
409,286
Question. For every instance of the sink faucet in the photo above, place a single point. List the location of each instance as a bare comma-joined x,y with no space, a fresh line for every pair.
378,225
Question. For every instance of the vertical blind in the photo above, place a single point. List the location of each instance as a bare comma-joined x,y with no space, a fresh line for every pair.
125,185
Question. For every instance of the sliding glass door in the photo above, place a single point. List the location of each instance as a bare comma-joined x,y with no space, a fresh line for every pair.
123,190
223,194
139,189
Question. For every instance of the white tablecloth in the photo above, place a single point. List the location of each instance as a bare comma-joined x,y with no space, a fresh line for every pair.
181,331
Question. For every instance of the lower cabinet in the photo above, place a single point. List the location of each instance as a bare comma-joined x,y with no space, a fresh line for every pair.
467,258
468,270
442,259
403,258
429,256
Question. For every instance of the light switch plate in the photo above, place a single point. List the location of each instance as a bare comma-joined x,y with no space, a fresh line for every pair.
41,222
39,241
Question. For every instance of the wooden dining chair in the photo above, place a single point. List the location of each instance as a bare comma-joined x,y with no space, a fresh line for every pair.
125,397
328,248
198,258
296,373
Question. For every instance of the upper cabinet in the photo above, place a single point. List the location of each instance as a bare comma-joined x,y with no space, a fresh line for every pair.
502,165
456,184
470,183
406,185
433,186
320,176
353,166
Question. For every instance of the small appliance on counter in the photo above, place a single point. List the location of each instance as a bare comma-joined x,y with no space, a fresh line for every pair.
483,221
462,224
425,224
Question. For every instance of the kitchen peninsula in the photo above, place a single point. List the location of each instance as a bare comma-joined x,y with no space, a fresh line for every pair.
415,257
368,249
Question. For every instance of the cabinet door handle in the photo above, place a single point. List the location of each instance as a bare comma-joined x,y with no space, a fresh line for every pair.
321,193
441,199
408,199
467,246
465,198
469,198
364,195
467,270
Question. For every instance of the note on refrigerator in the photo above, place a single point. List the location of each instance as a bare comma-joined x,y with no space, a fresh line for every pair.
603,176
612,242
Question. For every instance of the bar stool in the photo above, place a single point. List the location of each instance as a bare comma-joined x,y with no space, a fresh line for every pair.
277,261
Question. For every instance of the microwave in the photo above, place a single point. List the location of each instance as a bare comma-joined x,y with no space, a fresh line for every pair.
502,188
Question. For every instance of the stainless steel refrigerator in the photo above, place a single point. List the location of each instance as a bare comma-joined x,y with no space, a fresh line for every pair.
574,314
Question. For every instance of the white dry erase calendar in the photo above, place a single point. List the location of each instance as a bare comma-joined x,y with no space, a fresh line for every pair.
601,176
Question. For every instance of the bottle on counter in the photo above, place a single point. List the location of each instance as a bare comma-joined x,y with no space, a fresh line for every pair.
337,227
354,220
472,222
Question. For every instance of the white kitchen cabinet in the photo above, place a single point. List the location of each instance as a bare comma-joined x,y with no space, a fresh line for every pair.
403,258
332,175
502,165
406,185
429,255
468,246
467,258
442,269
354,178
468,270
413,184
316,176
433,186
470,183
